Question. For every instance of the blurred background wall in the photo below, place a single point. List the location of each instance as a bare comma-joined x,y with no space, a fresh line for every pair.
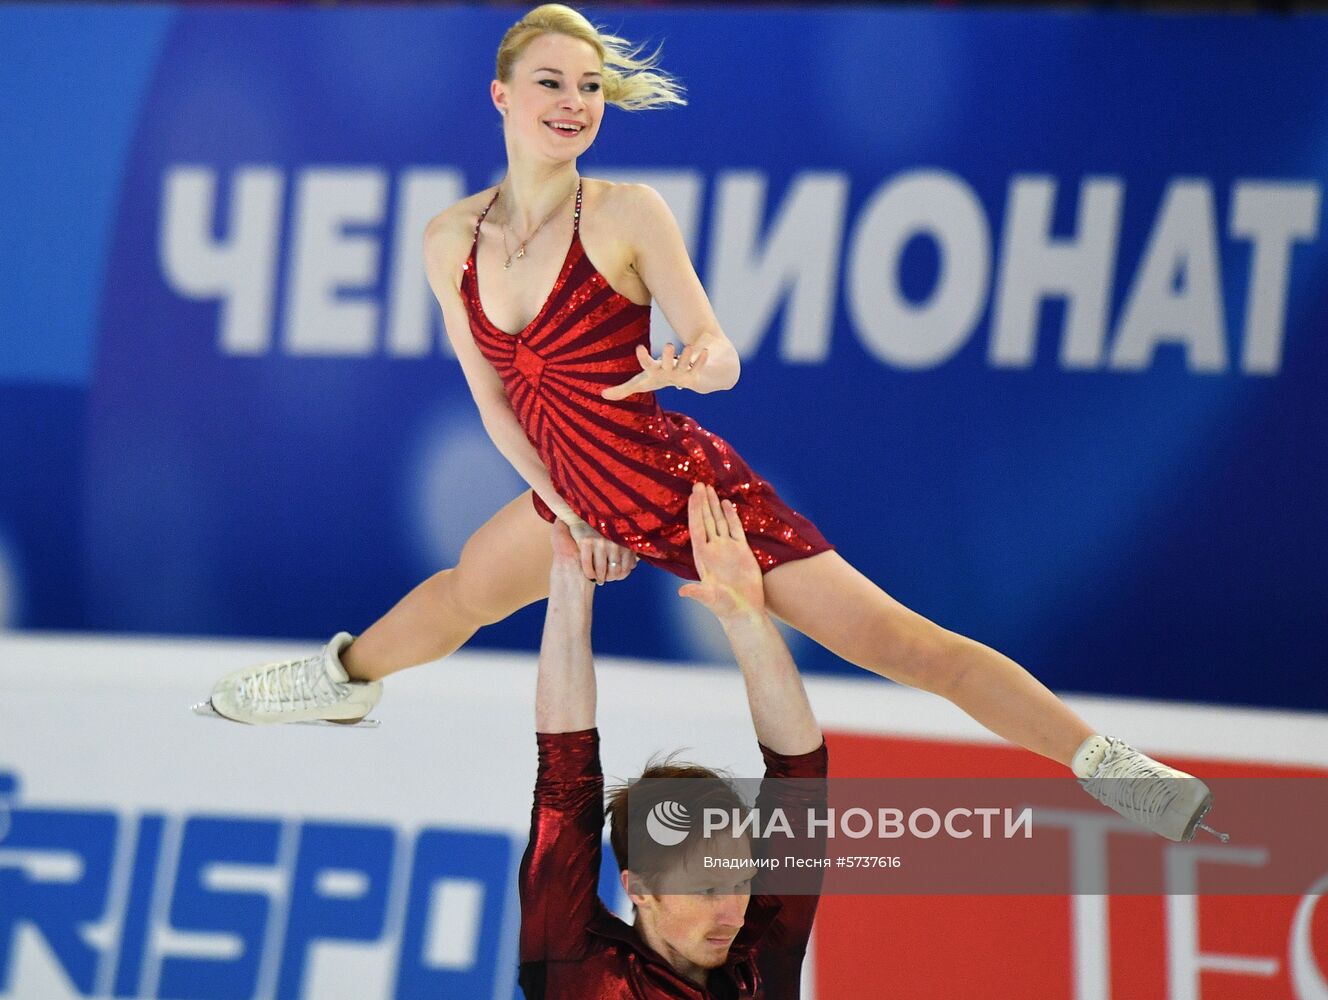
1031,310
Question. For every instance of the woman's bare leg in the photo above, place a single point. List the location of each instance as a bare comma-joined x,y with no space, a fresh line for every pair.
503,567
828,600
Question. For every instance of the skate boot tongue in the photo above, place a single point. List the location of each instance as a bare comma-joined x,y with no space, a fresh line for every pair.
1089,756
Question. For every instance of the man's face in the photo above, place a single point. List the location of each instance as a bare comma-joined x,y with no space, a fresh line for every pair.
698,911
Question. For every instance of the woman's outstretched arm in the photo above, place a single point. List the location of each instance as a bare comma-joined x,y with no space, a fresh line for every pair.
707,361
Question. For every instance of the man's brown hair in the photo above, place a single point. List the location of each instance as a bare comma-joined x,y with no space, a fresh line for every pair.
691,786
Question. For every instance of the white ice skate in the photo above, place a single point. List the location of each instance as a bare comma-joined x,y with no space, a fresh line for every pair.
315,690
1169,802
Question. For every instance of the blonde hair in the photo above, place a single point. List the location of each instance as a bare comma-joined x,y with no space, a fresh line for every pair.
632,79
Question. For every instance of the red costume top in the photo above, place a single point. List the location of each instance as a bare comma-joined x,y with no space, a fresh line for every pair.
626,467
573,948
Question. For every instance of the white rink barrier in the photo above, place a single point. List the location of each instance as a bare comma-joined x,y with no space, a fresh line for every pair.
147,852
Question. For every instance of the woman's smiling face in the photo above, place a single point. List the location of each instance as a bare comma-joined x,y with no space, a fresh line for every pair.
554,101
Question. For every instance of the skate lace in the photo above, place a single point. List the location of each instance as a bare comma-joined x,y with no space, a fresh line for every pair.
289,687
1132,784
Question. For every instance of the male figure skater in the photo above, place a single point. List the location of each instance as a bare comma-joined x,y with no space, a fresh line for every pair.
698,933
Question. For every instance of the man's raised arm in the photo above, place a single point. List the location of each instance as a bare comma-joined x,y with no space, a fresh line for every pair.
560,869
732,589
565,689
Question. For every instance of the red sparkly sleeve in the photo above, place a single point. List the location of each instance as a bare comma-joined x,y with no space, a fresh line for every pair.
792,928
560,869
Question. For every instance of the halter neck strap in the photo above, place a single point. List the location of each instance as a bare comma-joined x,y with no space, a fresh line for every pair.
492,201
576,216
576,211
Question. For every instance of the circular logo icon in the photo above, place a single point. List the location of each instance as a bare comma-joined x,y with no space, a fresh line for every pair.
668,824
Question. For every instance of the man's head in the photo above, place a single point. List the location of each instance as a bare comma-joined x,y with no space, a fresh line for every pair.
688,911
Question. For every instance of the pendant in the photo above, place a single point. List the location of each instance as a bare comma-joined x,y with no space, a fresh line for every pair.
507,264
520,251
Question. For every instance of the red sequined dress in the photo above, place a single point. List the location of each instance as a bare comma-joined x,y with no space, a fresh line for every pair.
625,467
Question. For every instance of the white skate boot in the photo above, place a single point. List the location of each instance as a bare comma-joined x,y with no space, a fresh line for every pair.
1169,802
315,690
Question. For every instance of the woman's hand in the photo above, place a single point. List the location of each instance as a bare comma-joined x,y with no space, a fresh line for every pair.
682,371
601,560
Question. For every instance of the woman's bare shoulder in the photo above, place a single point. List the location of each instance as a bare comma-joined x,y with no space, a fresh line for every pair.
634,200
629,210
451,231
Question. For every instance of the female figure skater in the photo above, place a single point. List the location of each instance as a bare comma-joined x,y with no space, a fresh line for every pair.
545,284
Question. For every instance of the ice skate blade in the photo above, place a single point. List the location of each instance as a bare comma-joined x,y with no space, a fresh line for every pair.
205,709
1224,837
1199,824
350,724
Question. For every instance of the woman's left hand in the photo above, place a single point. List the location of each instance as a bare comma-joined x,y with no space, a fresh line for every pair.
681,371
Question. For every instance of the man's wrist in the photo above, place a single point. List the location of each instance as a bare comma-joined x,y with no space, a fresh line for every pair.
568,580
749,619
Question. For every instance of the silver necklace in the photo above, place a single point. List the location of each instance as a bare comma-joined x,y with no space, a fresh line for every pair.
521,247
